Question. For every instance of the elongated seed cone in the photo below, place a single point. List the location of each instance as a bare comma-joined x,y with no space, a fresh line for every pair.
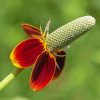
66,34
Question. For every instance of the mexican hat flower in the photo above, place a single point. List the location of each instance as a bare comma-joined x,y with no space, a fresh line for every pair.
44,51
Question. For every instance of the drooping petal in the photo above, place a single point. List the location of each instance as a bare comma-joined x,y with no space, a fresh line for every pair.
31,30
26,52
60,60
43,71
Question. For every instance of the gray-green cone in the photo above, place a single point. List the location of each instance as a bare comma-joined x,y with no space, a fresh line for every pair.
64,35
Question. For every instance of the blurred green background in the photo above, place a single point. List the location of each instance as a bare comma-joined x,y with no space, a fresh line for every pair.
80,79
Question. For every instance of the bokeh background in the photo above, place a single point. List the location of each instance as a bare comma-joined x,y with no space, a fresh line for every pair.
80,79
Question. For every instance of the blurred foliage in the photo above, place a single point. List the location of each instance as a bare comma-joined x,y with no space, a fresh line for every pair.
80,79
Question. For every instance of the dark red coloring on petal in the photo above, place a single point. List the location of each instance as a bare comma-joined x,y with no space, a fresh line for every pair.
60,60
43,71
26,52
31,30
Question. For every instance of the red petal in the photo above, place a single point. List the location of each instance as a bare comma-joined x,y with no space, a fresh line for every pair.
31,30
43,71
60,60
26,52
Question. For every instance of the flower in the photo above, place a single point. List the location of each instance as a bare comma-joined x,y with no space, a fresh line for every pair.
34,51
44,50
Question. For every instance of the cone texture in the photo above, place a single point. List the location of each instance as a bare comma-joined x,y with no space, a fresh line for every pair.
66,34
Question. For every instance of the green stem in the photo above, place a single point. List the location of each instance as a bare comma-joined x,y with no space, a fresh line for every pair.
9,78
